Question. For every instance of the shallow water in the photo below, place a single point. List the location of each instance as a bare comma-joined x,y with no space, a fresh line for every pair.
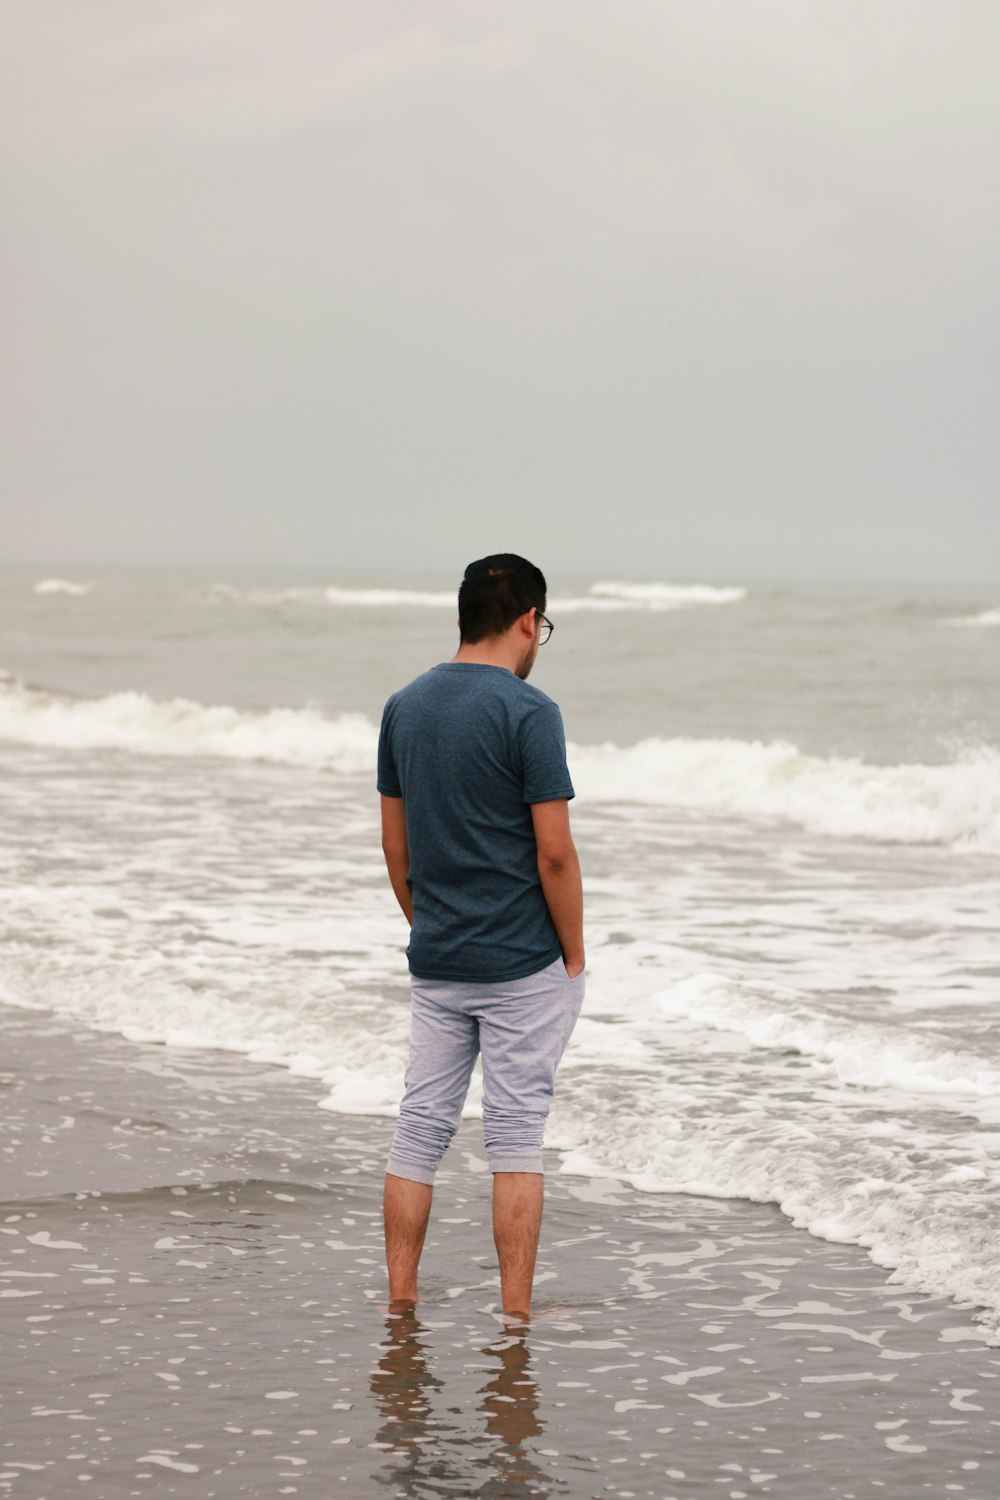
191,1287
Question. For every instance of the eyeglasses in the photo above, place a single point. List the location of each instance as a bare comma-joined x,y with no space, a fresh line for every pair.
546,630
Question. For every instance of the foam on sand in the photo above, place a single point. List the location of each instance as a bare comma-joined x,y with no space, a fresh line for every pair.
846,1144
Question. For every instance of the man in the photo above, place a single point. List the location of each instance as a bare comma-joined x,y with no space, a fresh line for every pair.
475,830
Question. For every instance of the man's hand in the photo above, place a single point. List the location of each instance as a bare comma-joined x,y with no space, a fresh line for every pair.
559,869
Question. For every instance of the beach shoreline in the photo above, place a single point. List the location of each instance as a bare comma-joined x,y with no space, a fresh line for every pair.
194,1290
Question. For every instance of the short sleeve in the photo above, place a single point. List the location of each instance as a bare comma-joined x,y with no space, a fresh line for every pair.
388,777
543,755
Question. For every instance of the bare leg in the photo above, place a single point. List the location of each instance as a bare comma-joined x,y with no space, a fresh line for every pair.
407,1208
517,1219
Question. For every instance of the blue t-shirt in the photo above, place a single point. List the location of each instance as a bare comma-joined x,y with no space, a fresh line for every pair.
469,747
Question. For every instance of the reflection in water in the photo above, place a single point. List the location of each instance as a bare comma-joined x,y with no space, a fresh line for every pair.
428,1455
402,1385
510,1405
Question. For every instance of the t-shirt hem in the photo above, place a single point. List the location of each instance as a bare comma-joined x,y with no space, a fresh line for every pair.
562,793
520,971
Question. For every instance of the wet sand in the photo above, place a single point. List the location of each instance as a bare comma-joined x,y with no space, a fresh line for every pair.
192,1302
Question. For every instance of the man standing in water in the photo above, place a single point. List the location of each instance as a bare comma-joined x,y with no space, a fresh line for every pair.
475,830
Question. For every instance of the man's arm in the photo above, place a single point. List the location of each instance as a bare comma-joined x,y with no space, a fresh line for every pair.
397,852
562,886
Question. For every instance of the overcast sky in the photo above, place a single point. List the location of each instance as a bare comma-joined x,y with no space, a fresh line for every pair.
678,290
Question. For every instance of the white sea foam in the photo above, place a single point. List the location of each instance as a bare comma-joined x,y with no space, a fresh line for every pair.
180,726
668,595
375,598
664,598
863,1053
573,604
844,1147
391,598
611,596
319,596
957,803
984,617
226,593
61,586
929,1232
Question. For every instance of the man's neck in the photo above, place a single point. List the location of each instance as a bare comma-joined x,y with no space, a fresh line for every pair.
515,650
495,651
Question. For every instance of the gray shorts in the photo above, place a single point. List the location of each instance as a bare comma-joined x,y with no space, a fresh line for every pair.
521,1027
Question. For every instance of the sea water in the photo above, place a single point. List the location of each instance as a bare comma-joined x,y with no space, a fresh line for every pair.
788,814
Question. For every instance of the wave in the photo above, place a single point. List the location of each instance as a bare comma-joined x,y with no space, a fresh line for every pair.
956,803
226,593
605,597
61,586
319,597
388,598
866,1053
219,593
179,726
922,1202
668,595
984,617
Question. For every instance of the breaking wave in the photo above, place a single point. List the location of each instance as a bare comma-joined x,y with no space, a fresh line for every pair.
956,803
180,726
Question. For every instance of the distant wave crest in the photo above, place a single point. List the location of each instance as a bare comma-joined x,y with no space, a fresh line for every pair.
957,803
667,595
61,586
605,597
383,598
984,617
318,596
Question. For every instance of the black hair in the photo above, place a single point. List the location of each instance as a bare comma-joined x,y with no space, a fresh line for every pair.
495,592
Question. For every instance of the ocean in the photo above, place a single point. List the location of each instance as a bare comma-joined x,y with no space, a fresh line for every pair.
788,815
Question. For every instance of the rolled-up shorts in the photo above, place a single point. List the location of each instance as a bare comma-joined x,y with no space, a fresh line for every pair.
520,1027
